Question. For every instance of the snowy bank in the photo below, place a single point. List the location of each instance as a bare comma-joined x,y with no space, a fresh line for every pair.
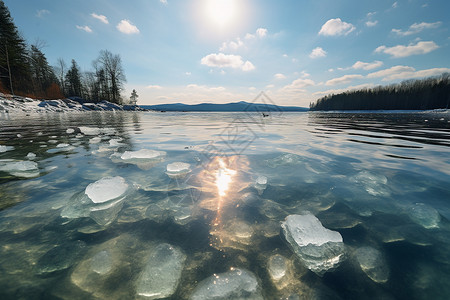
17,104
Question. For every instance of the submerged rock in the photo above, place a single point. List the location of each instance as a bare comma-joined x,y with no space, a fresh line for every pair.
277,267
102,262
60,257
319,248
425,215
162,273
106,189
373,264
235,284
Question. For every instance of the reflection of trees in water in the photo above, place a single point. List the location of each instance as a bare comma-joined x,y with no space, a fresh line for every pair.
418,128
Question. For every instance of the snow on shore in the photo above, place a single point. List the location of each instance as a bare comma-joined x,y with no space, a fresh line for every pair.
18,104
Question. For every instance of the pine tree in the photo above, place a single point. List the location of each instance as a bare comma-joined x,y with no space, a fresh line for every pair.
14,68
133,98
73,81
42,74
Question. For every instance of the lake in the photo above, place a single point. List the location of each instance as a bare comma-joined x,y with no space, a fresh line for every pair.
148,205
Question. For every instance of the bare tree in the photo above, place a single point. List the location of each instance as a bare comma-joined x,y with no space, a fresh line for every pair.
112,66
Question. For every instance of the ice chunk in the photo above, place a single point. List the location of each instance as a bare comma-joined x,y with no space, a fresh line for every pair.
115,143
261,184
277,267
178,169
31,155
62,145
235,284
373,264
5,148
106,189
95,140
374,184
60,257
70,130
319,248
26,169
162,273
425,215
101,262
142,154
105,214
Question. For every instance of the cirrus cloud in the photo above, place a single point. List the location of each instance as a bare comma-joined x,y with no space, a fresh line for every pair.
367,66
220,60
84,28
335,27
411,49
125,26
406,72
101,18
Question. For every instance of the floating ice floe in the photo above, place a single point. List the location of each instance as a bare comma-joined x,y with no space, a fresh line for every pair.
425,215
319,248
27,169
4,148
178,169
285,159
101,201
31,156
70,130
95,140
235,284
106,189
96,130
373,264
62,147
144,158
162,272
261,184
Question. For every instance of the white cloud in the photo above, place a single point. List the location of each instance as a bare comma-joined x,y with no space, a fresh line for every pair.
153,87
416,28
395,4
371,23
344,79
233,45
404,51
42,12
249,36
220,60
84,28
248,66
334,27
269,86
102,18
318,52
370,14
126,27
299,85
204,88
285,55
261,32
279,76
188,73
367,66
163,2
252,88
406,72
304,74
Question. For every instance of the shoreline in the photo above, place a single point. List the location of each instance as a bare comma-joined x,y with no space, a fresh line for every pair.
20,104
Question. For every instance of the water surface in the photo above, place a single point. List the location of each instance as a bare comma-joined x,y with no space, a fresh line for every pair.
380,180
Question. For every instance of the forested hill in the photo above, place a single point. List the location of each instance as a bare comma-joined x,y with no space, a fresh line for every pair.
424,94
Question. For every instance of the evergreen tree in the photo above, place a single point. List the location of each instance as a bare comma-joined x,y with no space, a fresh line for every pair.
133,98
73,81
42,74
14,68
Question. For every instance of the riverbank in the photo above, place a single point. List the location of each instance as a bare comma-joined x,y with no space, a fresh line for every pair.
19,104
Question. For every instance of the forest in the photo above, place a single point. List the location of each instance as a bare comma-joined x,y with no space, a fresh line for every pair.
25,71
420,94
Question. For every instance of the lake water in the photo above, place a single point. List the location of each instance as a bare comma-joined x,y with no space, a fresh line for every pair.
86,212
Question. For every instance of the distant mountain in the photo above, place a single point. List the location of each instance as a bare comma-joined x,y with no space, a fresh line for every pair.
236,106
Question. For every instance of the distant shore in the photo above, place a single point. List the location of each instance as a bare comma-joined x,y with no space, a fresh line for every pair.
19,104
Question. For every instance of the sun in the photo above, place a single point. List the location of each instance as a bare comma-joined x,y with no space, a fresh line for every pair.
221,12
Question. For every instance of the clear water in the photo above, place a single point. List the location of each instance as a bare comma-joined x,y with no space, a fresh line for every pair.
381,180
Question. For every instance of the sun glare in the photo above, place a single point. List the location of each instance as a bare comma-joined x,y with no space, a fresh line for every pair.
223,178
221,12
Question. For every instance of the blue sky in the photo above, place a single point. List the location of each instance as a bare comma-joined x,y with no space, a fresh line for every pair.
195,51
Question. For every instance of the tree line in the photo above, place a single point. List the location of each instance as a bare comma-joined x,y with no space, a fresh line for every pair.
420,94
25,71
